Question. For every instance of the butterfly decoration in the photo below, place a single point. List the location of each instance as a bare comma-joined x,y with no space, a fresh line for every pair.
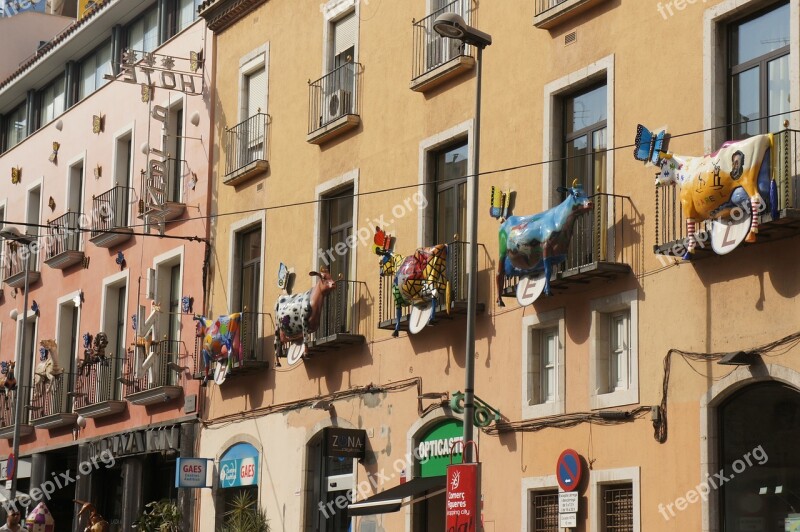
134,321
16,175
283,276
54,155
43,352
87,340
650,147
120,260
501,203
187,302
98,124
35,307
382,241
51,203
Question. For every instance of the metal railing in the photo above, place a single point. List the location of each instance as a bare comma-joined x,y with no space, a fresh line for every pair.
63,235
51,397
166,370
546,5
14,261
430,49
456,276
8,406
97,382
341,312
176,170
110,209
246,143
670,225
333,96
607,233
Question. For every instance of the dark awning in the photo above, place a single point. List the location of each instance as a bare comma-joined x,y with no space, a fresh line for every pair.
391,500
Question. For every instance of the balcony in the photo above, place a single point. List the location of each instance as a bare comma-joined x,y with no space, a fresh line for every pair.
51,404
160,195
435,59
253,342
14,265
671,239
603,247
97,392
333,104
162,381
457,277
63,241
110,217
341,318
551,13
8,408
246,150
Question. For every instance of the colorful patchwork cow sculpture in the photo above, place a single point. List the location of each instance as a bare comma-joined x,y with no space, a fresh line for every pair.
711,186
532,244
419,279
298,315
221,341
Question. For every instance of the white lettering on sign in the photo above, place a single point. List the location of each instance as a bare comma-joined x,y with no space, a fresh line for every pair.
568,502
435,448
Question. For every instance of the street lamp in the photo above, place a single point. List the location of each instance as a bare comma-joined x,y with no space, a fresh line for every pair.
452,26
14,235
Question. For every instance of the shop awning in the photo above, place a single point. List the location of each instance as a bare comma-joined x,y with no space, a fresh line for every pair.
391,500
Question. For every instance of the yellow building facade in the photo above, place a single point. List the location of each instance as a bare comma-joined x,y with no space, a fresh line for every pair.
338,118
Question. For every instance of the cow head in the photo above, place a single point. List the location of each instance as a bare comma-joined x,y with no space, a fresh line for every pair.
326,282
577,199
201,326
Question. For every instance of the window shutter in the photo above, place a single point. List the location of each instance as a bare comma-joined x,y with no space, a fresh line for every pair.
256,92
344,35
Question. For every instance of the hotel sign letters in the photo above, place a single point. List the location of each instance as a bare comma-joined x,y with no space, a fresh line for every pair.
155,70
139,442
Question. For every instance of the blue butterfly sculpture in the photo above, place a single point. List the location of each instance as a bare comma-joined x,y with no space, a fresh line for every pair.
650,147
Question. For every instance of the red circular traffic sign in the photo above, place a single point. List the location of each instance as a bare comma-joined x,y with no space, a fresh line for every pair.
11,466
568,470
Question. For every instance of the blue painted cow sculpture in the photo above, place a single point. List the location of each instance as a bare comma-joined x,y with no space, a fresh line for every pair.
532,244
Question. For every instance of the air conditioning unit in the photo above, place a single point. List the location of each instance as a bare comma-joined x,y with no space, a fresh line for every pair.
338,104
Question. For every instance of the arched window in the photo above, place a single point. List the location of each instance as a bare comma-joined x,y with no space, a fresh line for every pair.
759,476
238,476
329,486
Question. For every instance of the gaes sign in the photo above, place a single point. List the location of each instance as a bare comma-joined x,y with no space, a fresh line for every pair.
192,473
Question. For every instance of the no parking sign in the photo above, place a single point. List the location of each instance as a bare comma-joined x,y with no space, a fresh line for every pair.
568,470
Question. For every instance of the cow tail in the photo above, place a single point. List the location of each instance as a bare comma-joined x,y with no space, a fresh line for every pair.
755,203
690,235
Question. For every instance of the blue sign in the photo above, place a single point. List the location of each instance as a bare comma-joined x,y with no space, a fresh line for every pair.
192,473
568,470
239,466
12,7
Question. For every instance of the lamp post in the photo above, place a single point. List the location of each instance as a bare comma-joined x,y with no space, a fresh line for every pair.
22,360
452,26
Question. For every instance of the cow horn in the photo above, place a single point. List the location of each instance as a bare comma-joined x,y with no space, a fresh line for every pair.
574,183
314,274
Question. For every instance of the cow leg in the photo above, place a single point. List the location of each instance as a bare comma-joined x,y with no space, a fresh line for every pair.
277,343
398,314
499,280
207,363
690,238
754,206
547,269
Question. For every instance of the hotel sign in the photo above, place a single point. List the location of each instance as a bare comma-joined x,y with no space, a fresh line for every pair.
159,71
139,442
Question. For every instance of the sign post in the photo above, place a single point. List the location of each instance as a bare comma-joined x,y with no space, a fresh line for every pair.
463,499
568,474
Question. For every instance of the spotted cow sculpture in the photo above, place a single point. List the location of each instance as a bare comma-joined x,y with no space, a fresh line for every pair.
712,186
530,245
299,315
221,344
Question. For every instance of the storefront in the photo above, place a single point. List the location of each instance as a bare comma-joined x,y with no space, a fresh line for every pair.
238,477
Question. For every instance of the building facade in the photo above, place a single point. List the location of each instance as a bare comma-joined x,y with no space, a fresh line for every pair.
105,156
675,381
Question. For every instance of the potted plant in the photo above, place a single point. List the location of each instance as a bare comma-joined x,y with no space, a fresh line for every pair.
245,515
160,516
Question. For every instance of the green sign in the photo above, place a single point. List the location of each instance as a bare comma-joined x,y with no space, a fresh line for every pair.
433,449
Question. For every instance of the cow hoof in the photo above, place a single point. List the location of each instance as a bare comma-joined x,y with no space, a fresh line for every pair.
500,303
204,383
395,334
687,256
751,237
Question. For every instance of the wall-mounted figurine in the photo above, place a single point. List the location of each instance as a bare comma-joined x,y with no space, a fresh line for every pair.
221,344
530,246
47,369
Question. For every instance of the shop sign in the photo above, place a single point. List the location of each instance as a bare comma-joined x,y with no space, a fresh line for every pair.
239,466
463,497
433,449
139,442
192,473
345,443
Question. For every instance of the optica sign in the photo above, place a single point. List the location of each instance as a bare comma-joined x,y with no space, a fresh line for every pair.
433,449
239,466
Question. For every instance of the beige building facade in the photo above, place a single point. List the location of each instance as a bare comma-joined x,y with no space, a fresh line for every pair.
338,118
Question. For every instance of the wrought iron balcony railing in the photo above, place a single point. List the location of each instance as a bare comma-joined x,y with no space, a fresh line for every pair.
8,406
431,50
15,256
110,210
51,395
97,383
341,317
246,144
333,96
63,241
162,376
543,6
605,244
670,225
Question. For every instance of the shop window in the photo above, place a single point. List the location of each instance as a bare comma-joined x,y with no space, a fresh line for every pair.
758,69
543,351
433,446
613,351
329,488
543,511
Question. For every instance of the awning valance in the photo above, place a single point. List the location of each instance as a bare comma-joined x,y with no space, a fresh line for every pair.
391,500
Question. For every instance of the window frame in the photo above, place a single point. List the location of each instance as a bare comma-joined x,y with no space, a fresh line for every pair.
82,63
531,485
436,188
319,254
8,120
249,63
109,316
141,18
40,100
601,478
332,12
532,326
601,310
163,264
587,131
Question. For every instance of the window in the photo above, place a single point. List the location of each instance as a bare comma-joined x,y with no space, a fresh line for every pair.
187,13
2,213
93,69
176,163
759,72
337,228
254,99
614,500
113,324
68,335
585,115
248,287
617,501
16,125
328,479
450,182
544,368
341,62
343,47
544,511
173,333
75,188
143,32
123,160
613,350
168,287
52,100
33,210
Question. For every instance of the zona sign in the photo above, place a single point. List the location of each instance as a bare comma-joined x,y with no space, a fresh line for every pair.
568,470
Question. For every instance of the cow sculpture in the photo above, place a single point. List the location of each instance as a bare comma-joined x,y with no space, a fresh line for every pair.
47,369
95,521
419,279
298,315
711,186
221,343
532,244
